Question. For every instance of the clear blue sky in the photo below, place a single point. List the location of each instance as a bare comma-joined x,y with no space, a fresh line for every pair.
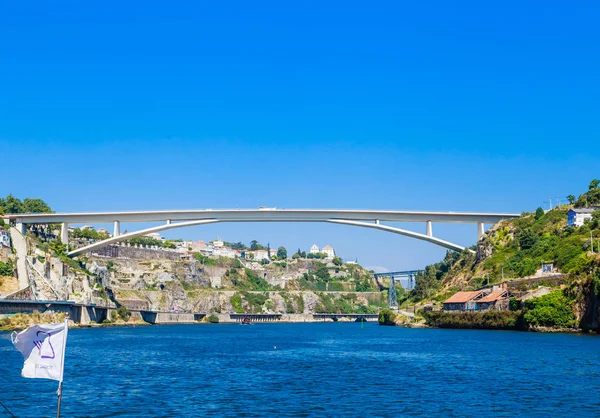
462,106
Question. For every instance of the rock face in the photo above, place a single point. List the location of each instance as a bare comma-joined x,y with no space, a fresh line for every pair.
484,250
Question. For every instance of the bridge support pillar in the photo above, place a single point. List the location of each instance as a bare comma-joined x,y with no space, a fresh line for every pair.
64,233
168,222
21,228
117,229
480,230
429,229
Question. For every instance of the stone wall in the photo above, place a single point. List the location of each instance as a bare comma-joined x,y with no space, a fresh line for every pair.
133,252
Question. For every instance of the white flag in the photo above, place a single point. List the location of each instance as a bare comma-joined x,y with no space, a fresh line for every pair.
43,347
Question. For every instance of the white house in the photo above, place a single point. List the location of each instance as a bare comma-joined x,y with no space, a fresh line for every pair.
224,252
217,243
273,252
4,238
261,255
577,216
154,235
314,249
329,251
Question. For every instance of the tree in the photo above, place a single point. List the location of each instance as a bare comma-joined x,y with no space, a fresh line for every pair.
527,239
571,198
254,245
594,184
281,253
539,212
337,261
296,256
58,248
12,205
268,250
35,206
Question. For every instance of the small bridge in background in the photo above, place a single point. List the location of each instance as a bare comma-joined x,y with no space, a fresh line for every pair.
405,278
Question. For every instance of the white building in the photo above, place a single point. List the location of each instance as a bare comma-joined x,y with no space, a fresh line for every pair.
224,252
217,243
328,250
154,235
4,238
273,252
261,255
314,249
578,216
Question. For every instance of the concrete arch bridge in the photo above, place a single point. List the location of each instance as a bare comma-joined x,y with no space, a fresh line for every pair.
184,218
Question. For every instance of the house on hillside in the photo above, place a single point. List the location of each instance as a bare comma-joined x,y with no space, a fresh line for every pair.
329,251
314,249
495,300
4,238
578,216
463,301
260,255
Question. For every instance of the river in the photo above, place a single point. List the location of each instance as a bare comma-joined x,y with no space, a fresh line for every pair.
316,369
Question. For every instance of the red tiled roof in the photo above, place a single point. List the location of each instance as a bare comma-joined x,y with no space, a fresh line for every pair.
462,297
493,296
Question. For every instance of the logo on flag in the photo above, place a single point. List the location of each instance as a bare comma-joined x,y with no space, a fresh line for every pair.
43,347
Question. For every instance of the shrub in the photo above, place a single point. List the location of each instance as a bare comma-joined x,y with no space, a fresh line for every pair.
124,313
552,310
387,317
6,269
213,319
236,303
475,320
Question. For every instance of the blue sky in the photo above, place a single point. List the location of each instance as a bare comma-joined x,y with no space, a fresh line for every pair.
462,106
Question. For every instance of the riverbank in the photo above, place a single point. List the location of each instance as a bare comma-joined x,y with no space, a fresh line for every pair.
21,321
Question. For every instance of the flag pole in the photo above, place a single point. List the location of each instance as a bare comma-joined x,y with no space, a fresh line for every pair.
62,367
59,392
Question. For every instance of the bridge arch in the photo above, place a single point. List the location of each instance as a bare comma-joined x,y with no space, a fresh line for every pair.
128,235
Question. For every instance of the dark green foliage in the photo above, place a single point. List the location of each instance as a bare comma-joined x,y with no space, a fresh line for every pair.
539,212
476,320
591,197
256,283
205,260
526,238
11,204
321,272
57,248
255,301
254,245
281,253
235,245
90,233
552,310
124,313
213,319
146,241
387,317
337,261
6,269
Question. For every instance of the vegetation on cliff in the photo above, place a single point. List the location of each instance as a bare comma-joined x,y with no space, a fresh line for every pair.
517,248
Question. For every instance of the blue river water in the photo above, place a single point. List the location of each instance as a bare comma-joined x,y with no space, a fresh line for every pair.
311,370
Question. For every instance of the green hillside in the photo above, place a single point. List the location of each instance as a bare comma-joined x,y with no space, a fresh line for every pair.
515,249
